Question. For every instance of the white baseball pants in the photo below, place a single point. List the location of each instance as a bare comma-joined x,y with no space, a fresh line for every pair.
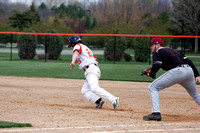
91,89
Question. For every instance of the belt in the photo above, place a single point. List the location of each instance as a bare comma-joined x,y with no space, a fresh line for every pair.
183,65
87,66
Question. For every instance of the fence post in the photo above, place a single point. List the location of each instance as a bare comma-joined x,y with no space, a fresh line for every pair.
115,48
45,48
150,53
11,38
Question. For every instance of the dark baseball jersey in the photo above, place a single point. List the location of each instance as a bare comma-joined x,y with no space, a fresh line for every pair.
167,59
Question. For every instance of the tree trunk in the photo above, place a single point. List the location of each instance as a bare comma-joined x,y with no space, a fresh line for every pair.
196,46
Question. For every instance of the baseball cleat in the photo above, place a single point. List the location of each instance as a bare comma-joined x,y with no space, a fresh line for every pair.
115,104
153,116
100,104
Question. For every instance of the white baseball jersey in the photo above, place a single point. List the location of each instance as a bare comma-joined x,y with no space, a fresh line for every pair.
85,56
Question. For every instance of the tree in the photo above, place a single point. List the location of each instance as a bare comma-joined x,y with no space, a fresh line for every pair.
109,51
27,46
188,11
141,48
6,9
54,46
34,14
156,25
126,11
42,6
24,19
51,3
115,47
90,25
18,20
3,6
44,12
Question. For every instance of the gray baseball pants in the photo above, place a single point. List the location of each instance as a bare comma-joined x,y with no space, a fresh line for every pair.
182,75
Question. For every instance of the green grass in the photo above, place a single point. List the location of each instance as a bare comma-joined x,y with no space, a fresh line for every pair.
5,124
124,71
6,56
120,71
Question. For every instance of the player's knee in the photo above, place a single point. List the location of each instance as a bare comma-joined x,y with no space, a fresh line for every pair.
94,88
83,91
151,88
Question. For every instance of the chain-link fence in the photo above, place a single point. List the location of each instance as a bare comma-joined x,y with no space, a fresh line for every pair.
54,46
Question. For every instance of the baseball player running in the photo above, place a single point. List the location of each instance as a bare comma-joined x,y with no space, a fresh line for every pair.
180,70
88,62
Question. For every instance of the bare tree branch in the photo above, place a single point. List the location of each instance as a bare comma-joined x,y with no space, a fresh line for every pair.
189,12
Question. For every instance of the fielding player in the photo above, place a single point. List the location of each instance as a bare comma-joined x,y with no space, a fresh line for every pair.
180,70
88,62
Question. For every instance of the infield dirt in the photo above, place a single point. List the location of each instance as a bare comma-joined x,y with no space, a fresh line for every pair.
57,105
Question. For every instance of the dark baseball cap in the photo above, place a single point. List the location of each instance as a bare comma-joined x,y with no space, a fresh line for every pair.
156,41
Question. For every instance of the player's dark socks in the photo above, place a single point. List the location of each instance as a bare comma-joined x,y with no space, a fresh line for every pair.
98,101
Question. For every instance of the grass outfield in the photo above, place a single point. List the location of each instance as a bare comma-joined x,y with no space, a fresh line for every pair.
120,71
52,69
